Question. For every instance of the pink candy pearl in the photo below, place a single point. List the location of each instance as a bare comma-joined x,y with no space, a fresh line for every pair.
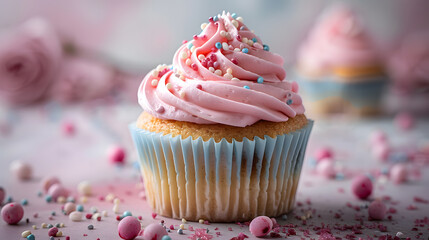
117,155
398,173
404,121
381,152
52,232
326,168
69,207
377,210
57,190
261,226
22,170
48,182
2,195
128,228
68,128
378,137
322,153
12,213
154,231
362,186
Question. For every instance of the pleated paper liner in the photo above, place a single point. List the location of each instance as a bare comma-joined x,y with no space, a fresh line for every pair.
220,182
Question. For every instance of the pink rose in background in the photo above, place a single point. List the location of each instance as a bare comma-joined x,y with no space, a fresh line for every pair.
29,60
82,79
409,65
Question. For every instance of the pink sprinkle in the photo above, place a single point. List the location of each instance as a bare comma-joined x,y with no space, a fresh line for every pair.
194,66
218,233
171,227
67,237
411,207
404,121
35,215
195,37
323,152
88,216
229,228
68,128
140,217
184,41
239,38
154,215
206,222
191,228
233,60
420,200
200,233
101,198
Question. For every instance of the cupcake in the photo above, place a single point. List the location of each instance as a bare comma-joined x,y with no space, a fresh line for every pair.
338,67
222,136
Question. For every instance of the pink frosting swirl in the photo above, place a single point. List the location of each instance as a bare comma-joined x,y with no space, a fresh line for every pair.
338,39
29,57
224,75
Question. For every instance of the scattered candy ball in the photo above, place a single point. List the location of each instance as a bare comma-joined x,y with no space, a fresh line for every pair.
362,186
323,152
48,182
117,155
12,213
377,210
69,208
25,233
2,195
129,227
52,232
404,121
154,231
398,173
166,237
85,188
58,190
21,170
75,216
381,151
68,128
261,226
31,237
326,168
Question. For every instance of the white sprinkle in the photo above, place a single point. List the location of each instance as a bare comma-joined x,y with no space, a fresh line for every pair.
235,79
104,213
116,201
182,94
223,33
228,75
244,40
258,45
61,199
229,70
240,19
218,72
44,225
237,50
183,220
161,67
211,69
154,82
85,188
182,77
203,26
184,55
25,233
201,57
109,197
235,23
225,46
115,208
399,234
59,234
75,216
250,42
96,215
169,86
193,48
188,62
155,73
228,36
201,221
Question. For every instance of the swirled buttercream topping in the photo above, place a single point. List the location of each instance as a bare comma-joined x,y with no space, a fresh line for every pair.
223,75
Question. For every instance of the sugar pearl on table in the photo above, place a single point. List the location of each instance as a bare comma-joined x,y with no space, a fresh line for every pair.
12,213
377,210
154,231
25,233
31,237
52,232
47,182
323,152
21,170
218,72
398,173
261,226
68,128
69,207
85,188
362,186
128,228
404,121
326,168
116,155
58,190
381,151
2,195
76,216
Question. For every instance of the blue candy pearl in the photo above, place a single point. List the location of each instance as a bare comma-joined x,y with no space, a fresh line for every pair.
234,15
24,202
166,237
266,48
289,102
246,87
260,79
218,45
245,50
31,237
190,45
79,208
48,198
254,40
215,18
127,213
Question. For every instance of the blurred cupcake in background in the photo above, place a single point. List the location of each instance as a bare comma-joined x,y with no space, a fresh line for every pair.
338,67
409,69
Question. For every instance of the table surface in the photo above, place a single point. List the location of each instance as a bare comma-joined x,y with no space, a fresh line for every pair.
35,135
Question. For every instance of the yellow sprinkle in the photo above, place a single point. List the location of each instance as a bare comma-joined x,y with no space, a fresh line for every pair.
83,199
201,57
182,226
203,26
182,77
61,199
182,95
218,72
44,225
201,221
211,69
235,23
244,40
193,48
184,220
62,225
240,19
235,79
59,234
229,70
25,233
116,201
228,75
154,82
34,227
188,62
155,73
250,42
184,55
169,86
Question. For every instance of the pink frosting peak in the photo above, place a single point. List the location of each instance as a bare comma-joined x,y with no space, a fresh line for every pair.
224,75
338,39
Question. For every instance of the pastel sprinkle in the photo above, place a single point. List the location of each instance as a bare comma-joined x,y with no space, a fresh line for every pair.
289,101
246,87
203,26
235,23
24,202
215,18
154,82
218,45
127,213
225,46
79,208
260,79
190,45
169,86
218,72
266,47
240,19
229,70
234,15
188,62
254,39
183,55
180,231
31,237
25,233
48,198
245,50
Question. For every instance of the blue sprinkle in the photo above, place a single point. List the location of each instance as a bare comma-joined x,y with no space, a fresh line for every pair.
71,199
166,237
180,231
90,227
50,226
369,175
136,165
246,87
234,15
339,176
254,40
53,213
58,225
48,198
31,237
24,202
260,79
215,18
190,45
218,45
385,171
79,208
266,48
289,102
242,28
312,162
284,217
51,238
245,50
127,213
9,199
39,193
